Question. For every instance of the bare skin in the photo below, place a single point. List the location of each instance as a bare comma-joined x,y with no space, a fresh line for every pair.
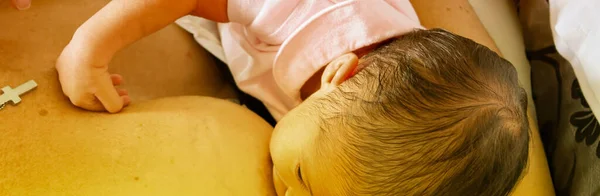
181,146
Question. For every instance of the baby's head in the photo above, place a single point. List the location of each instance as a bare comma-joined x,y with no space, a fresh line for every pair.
429,113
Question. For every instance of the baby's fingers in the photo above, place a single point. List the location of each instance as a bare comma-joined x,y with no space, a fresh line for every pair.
116,79
122,92
108,95
124,96
126,100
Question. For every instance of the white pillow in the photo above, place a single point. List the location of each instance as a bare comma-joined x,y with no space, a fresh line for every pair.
576,31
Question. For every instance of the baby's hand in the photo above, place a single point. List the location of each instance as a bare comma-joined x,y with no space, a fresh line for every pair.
87,83
83,64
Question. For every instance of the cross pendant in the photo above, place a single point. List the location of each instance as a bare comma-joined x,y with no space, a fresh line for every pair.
13,95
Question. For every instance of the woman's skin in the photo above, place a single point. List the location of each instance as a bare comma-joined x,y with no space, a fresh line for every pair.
169,146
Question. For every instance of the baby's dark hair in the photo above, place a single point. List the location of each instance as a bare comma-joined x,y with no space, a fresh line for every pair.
431,113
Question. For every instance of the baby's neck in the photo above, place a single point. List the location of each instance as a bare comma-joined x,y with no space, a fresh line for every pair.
313,84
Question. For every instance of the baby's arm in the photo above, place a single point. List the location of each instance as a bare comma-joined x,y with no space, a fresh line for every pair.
123,22
83,64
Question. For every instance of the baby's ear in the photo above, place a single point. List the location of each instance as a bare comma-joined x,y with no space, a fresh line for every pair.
339,70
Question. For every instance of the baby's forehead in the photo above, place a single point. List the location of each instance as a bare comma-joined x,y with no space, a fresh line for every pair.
324,174
325,165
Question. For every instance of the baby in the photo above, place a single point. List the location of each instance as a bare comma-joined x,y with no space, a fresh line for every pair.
368,102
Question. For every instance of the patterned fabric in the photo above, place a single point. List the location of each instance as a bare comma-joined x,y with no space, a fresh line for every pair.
569,130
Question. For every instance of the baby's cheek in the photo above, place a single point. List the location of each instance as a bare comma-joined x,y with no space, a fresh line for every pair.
280,186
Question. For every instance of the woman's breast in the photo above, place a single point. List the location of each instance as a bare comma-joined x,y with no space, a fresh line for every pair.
182,146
